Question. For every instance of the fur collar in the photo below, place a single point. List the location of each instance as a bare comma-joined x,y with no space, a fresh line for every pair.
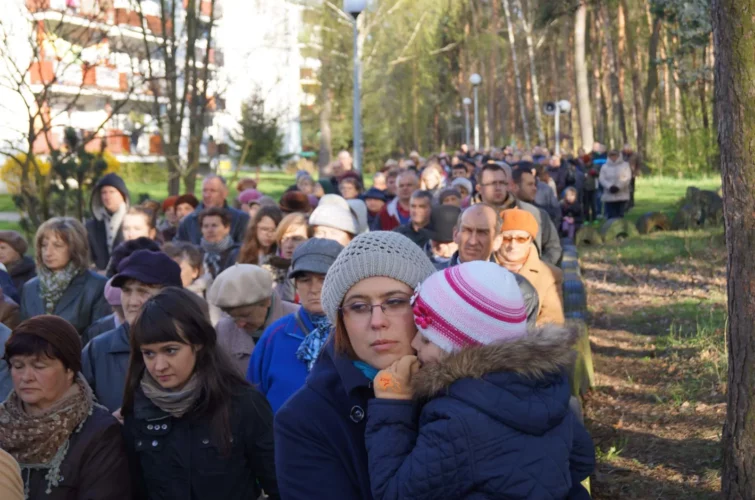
544,350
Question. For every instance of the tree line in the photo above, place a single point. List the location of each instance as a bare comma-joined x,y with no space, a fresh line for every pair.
634,72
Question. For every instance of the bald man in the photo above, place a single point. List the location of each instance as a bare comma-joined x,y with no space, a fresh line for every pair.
478,235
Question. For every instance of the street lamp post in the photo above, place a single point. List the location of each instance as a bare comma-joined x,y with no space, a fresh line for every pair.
355,7
467,101
476,80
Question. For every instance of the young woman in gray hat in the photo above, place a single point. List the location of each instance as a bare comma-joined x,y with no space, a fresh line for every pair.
288,349
319,432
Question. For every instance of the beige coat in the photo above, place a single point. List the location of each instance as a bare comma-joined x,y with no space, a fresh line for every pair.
238,344
548,280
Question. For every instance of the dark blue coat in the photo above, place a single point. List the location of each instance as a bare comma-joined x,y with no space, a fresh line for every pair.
496,424
319,434
104,363
82,303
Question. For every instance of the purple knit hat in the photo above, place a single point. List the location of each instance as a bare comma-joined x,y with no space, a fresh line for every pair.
112,294
249,195
476,303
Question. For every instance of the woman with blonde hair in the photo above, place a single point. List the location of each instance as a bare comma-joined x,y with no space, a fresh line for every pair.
64,285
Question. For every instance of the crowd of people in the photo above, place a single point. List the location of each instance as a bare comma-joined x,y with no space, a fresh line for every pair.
402,341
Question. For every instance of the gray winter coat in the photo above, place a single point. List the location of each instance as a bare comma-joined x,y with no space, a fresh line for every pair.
82,303
6,384
104,363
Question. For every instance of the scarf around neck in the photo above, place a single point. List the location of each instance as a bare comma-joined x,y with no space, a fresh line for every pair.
52,284
41,441
310,347
175,403
213,253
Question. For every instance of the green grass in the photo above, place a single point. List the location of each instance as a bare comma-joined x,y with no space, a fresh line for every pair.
662,194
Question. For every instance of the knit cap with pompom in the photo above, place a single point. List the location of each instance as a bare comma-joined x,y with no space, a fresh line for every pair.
377,253
476,303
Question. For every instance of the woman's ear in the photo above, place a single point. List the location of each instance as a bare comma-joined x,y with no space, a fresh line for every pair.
70,375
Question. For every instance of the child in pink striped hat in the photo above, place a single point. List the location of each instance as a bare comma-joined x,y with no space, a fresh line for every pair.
483,409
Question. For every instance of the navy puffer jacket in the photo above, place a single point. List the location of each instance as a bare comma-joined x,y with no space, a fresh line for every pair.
497,425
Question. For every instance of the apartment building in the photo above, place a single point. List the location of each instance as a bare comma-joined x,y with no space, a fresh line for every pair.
85,65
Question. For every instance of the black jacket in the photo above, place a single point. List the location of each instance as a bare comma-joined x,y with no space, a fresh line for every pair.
82,303
178,458
190,231
96,225
420,237
22,271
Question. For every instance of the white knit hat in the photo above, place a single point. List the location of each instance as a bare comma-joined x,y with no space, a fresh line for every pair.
377,253
335,216
360,210
476,303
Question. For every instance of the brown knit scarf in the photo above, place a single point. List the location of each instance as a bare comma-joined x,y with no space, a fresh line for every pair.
38,440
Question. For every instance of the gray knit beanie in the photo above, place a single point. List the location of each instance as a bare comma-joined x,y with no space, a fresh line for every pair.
378,253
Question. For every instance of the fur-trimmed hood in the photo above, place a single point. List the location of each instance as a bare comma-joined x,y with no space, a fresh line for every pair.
522,383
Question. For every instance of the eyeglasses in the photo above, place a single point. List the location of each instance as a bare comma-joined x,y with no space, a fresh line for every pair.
361,310
495,184
519,239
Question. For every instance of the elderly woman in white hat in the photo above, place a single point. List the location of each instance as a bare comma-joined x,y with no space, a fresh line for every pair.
334,219
244,292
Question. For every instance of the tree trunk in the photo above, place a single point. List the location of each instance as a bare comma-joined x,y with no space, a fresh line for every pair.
492,79
733,25
517,76
702,94
639,123
533,70
613,72
580,68
652,80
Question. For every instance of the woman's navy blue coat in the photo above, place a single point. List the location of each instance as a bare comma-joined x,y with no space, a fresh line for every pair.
319,434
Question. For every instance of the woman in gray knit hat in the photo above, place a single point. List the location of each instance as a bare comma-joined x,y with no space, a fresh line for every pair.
319,431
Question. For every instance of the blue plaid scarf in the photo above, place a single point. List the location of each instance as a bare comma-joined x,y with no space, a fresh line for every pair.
311,346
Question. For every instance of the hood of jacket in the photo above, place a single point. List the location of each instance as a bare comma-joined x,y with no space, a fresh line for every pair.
24,265
521,383
95,202
615,164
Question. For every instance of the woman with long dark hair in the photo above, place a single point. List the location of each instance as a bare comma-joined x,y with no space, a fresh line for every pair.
195,428
259,240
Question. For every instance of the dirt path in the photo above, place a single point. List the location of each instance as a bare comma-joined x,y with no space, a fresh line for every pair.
657,338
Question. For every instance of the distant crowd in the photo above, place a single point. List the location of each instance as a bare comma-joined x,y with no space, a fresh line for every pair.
405,340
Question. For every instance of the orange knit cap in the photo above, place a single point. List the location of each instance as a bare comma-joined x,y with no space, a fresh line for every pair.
517,219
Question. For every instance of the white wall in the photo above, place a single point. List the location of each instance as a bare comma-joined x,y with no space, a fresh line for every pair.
260,41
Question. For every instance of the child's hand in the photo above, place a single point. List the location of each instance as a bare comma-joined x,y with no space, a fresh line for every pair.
394,382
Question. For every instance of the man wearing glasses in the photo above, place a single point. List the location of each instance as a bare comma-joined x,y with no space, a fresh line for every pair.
494,189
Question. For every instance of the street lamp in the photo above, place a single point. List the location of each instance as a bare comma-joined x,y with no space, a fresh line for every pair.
467,101
355,7
476,80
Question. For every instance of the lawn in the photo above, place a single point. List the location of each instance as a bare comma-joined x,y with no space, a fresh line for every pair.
657,308
661,194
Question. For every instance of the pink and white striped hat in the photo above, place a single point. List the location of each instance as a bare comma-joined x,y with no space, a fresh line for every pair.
476,303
